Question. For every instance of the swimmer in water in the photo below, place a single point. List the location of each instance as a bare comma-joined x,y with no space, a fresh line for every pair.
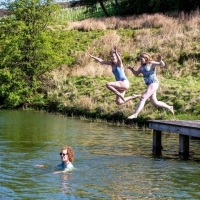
67,157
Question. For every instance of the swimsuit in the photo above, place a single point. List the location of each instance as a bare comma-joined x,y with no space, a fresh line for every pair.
149,74
67,167
119,73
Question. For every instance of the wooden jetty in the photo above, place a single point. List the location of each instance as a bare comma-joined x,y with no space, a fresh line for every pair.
184,128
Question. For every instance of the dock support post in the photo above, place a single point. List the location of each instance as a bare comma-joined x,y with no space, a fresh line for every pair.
157,142
183,146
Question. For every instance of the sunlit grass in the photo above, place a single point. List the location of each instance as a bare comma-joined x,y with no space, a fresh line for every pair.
83,83
82,12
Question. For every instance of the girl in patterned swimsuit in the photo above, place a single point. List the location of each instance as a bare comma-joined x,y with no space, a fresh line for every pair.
148,69
121,84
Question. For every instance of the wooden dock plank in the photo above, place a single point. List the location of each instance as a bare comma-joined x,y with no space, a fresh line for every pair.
184,127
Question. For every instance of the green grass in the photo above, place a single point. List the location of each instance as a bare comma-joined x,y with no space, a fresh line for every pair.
104,108
87,96
80,13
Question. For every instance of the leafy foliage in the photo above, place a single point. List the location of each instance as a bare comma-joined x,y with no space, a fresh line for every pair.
28,49
135,7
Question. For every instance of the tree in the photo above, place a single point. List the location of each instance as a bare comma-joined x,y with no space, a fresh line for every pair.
27,49
103,7
91,4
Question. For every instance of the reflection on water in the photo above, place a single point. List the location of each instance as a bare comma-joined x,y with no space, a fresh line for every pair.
112,162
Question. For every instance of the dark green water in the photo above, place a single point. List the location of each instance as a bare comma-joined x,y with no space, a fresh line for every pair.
112,162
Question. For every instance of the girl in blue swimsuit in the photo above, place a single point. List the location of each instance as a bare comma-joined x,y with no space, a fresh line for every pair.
148,69
121,84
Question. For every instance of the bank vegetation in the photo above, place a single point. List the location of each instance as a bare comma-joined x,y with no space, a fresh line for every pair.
45,63
81,89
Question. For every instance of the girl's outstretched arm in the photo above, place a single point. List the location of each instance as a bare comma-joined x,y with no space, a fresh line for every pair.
101,61
135,72
118,57
159,62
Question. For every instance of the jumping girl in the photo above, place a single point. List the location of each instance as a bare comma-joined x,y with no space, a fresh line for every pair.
121,84
148,69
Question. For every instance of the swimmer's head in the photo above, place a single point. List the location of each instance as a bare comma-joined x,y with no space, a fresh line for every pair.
67,150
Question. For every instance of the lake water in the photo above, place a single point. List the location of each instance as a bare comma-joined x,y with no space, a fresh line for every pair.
112,162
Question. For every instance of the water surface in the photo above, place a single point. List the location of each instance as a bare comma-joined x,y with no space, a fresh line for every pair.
112,162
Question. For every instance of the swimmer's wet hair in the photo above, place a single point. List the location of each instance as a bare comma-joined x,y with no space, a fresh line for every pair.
70,153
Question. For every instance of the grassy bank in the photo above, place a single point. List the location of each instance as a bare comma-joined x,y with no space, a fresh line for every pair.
79,89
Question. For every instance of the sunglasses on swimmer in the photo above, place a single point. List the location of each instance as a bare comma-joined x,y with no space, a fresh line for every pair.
63,154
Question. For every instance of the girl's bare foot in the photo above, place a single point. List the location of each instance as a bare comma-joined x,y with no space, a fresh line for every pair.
171,108
136,95
132,116
121,96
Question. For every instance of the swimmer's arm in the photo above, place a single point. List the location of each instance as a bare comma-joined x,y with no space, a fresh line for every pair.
59,172
40,166
101,61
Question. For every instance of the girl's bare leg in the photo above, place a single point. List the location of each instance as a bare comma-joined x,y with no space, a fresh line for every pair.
118,86
119,95
171,108
150,90
126,99
161,104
